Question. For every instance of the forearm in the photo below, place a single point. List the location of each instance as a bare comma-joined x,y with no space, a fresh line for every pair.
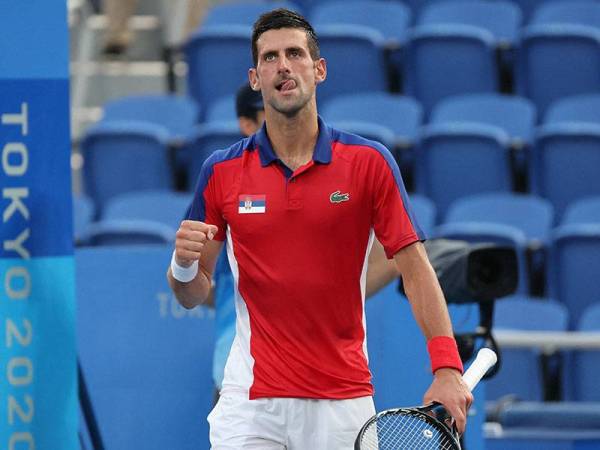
428,305
191,294
424,292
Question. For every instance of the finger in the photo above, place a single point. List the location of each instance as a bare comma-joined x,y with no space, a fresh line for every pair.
183,256
212,230
191,235
470,400
197,225
185,244
460,420
193,224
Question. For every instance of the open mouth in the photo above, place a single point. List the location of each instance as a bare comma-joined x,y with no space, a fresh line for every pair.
286,85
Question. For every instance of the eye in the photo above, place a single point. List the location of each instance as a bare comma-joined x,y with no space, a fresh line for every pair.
294,53
269,57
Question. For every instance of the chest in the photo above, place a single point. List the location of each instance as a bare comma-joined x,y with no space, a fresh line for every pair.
322,198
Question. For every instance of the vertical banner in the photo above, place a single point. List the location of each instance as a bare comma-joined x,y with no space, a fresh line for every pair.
38,390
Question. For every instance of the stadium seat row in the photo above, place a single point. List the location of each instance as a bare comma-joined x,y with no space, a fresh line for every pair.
489,142
483,43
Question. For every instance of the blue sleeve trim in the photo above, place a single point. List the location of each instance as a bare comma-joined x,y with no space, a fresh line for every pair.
353,139
197,210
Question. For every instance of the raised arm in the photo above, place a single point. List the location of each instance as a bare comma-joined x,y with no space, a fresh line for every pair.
431,313
193,262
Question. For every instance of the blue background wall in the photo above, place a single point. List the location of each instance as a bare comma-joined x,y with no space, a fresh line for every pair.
38,392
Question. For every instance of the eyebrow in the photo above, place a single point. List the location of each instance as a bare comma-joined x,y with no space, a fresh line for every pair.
287,50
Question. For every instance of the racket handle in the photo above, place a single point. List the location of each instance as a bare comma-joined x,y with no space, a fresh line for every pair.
485,359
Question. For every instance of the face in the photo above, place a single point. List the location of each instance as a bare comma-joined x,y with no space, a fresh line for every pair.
285,72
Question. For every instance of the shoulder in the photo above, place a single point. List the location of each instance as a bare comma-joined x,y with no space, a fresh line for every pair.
354,145
228,154
219,161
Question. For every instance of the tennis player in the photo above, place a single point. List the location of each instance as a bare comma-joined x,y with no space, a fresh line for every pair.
380,272
300,203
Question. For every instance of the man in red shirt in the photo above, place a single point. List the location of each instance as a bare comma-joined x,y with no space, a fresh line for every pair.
300,204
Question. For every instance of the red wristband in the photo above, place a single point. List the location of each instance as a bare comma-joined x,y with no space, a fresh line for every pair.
443,352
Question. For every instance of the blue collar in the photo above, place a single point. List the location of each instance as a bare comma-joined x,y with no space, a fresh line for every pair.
321,154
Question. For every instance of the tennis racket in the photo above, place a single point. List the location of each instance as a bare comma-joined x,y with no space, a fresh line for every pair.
420,428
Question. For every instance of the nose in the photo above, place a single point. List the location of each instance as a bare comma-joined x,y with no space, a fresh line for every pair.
284,65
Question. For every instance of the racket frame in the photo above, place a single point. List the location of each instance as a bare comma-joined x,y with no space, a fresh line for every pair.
422,413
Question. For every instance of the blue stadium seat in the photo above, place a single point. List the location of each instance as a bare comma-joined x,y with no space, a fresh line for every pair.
582,12
115,232
585,210
166,207
403,115
437,53
242,13
521,372
458,159
558,60
206,139
578,108
391,19
177,114
222,110
565,161
146,361
528,7
501,18
534,216
309,5
566,416
371,131
573,267
425,213
581,369
84,212
459,37
515,115
218,60
124,156
538,438
355,61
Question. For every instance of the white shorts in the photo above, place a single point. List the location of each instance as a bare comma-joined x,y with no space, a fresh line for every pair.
287,423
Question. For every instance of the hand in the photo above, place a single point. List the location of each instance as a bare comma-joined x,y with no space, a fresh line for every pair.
190,239
449,389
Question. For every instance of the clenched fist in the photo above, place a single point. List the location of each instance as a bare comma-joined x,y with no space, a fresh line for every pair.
190,239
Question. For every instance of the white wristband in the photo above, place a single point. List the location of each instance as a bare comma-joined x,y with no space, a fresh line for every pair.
183,274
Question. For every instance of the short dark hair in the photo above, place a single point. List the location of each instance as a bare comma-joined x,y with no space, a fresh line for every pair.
248,102
284,18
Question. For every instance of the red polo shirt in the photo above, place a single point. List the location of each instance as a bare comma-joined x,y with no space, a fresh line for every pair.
298,245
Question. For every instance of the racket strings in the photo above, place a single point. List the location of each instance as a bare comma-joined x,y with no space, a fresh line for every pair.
404,432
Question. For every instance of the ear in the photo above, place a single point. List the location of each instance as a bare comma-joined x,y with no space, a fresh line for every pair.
253,79
320,70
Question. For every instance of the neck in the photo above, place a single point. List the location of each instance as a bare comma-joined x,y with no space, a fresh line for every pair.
293,138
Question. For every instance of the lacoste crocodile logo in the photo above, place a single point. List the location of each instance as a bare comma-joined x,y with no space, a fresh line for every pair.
338,197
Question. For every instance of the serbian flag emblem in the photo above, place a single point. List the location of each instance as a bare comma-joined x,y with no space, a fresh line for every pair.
252,204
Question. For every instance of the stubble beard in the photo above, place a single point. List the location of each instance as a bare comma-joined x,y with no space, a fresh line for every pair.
292,108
